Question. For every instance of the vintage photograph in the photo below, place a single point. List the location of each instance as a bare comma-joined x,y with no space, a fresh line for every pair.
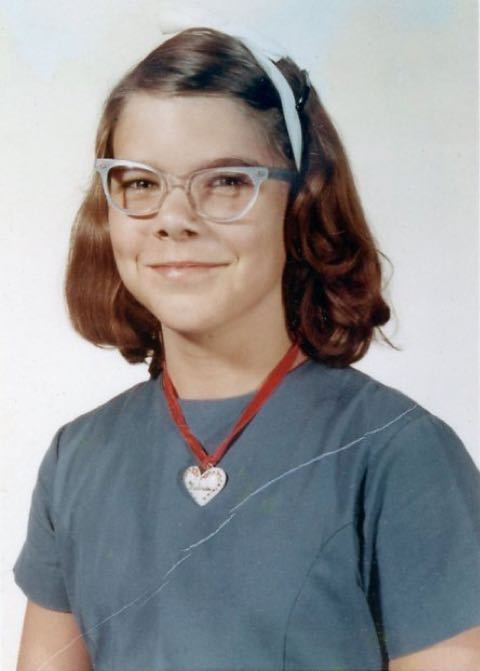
241,339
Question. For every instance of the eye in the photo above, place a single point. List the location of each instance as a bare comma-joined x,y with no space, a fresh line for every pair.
228,182
141,183
133,181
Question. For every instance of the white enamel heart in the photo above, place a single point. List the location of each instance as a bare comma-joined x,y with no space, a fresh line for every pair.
203,487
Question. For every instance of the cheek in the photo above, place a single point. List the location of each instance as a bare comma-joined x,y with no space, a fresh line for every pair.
126,241
261,257
267,246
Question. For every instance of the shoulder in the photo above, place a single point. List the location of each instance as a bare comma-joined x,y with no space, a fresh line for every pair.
357,399
348,384
132,398
411,457
121,415
390,424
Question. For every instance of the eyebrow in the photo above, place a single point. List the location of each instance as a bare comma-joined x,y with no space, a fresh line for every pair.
223,162
227,161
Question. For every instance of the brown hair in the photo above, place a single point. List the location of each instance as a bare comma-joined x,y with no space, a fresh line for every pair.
332,277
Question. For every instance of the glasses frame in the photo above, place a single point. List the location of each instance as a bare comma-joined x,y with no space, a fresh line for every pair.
258,174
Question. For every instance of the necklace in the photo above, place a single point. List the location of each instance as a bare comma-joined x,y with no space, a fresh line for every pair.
205,481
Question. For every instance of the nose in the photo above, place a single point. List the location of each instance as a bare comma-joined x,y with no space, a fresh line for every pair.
176,218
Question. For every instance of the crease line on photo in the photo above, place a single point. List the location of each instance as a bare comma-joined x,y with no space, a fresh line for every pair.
166,578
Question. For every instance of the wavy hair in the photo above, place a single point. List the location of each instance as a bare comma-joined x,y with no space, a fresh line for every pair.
332,277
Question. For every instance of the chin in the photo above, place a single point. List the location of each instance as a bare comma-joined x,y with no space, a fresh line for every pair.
188,325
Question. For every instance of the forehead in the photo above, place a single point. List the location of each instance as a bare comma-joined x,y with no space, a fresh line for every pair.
180,133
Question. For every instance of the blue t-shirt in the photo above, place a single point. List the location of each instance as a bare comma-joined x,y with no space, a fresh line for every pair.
347,534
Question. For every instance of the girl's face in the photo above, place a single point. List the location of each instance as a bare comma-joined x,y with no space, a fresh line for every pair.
238,287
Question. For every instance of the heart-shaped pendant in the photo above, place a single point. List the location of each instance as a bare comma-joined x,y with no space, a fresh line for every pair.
203,487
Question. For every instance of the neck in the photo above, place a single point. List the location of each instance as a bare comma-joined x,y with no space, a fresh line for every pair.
209,367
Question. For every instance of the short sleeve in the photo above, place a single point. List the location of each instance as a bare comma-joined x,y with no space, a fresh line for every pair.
37,570
422,524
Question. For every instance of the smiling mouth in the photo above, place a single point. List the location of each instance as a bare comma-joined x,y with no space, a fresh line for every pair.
186,264
183,270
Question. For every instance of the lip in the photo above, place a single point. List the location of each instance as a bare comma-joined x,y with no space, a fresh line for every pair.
183,270
185,264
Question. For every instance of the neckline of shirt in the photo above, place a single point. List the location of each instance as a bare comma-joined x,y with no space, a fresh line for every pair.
187,403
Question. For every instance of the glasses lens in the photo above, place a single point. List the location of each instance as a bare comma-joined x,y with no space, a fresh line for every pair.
222,194
135,190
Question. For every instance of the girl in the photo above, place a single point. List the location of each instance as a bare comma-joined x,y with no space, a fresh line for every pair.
257,504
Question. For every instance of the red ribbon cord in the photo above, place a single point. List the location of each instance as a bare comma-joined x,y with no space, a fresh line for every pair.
266,390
